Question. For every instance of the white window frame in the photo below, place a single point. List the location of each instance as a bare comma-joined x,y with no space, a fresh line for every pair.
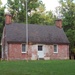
56,49
25,48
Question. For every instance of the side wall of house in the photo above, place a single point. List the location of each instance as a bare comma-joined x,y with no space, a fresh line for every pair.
63,52
15,52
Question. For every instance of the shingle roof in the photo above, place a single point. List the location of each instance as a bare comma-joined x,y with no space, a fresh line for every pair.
16,32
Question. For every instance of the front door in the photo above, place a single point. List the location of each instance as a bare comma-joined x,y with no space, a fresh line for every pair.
40,51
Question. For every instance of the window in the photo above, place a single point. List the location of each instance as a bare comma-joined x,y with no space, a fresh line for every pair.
39,48
55,49
23,48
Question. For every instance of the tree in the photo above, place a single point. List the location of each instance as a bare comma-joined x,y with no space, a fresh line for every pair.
1,21
49,18
67,9
36,12
18,8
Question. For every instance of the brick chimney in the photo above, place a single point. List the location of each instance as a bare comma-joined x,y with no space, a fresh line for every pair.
8,19
58,23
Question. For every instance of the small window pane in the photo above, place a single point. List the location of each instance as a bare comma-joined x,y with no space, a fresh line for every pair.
39,48
55,48
23,48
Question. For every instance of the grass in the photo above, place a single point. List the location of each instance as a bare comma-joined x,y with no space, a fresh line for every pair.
51,67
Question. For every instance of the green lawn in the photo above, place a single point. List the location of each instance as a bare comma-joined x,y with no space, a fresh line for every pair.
51,67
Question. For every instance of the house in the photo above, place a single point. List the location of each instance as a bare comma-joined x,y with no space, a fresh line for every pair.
44,42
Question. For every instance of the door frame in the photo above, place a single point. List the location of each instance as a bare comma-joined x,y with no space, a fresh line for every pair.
42,55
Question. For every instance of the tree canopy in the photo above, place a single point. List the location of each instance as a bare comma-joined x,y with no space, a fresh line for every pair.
67,9
36,12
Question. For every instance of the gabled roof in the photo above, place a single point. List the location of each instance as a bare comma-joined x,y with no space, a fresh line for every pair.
16,32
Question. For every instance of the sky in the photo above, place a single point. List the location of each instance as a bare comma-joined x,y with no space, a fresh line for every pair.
49,4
